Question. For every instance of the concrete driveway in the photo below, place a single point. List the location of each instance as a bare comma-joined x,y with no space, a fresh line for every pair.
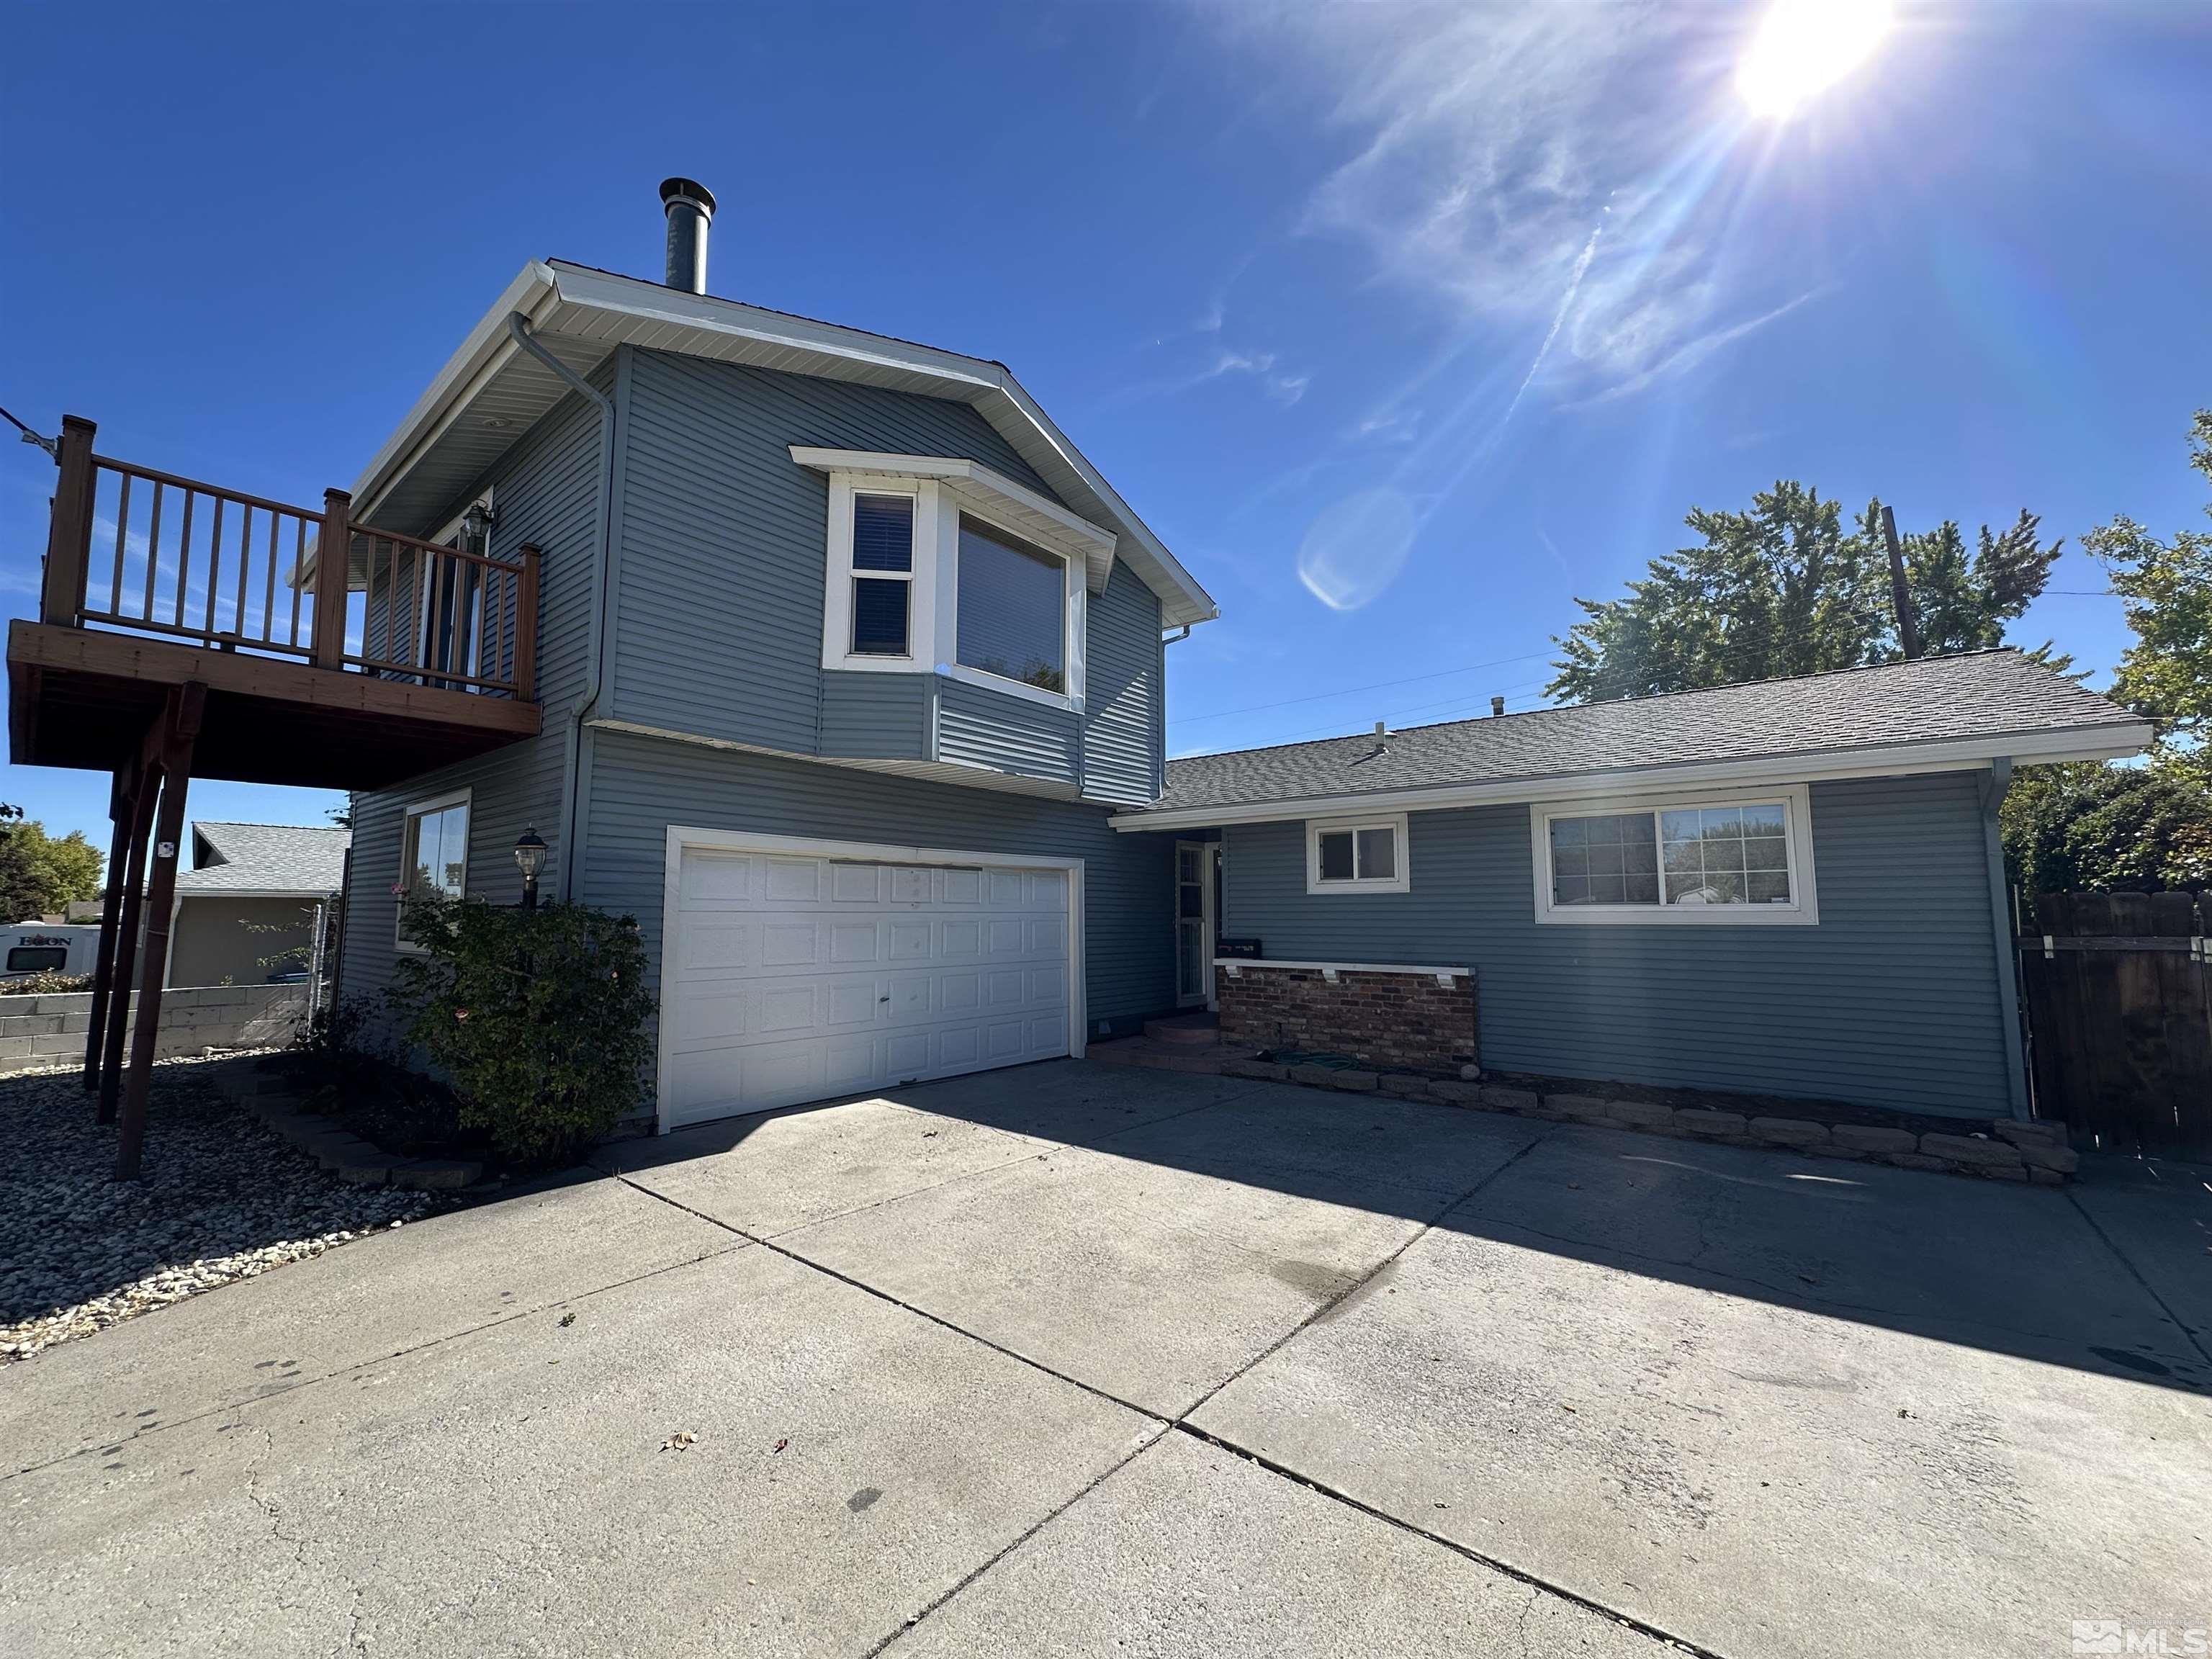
1082,1361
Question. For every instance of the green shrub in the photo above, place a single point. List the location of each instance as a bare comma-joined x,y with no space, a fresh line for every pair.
537,1016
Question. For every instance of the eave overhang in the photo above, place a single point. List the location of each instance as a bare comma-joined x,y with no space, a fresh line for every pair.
2110,741
490,393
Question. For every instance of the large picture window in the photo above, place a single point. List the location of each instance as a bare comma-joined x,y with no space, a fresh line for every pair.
1013,607
434,852
1727,859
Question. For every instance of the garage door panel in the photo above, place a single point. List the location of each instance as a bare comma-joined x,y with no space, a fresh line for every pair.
714,877
857,884
959,968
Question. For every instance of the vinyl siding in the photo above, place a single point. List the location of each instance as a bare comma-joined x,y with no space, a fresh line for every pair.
1124,701
640,786
547,492
874,716
978,726
719,623
1890,1001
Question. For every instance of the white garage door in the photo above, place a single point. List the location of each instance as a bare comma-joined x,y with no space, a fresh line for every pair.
791,978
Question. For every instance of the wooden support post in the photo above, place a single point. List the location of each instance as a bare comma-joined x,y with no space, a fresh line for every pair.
333,553
183,726
68,534
118,1010
526,627
123,811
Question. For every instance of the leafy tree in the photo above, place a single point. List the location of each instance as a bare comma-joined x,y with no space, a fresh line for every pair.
40,875
2167,674
1786,588
2127,829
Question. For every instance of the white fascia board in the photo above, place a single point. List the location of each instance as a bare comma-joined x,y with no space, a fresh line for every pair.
544,285
1095,544
2109,742
481,356
1188,604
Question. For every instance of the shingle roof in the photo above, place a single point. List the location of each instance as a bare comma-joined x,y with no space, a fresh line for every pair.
268,858
1976,694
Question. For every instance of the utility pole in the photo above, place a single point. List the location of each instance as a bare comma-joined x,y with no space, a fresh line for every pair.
1901,596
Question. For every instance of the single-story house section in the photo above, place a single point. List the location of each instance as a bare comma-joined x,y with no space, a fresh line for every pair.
1787,887
247,910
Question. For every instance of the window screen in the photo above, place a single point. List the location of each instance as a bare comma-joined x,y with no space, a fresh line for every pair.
1673,856
883,542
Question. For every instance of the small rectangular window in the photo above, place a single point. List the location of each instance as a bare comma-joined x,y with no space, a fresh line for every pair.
1356,857
882,545
37,958
434,853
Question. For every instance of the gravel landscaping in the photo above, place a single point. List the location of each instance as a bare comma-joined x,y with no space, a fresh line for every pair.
222,1198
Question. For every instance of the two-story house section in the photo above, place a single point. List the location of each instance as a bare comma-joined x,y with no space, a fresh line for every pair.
845,654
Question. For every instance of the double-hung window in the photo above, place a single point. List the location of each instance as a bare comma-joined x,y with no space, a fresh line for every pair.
883,575
1735,858
434,853
1357,855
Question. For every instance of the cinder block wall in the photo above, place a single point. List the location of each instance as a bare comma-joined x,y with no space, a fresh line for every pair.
41,1032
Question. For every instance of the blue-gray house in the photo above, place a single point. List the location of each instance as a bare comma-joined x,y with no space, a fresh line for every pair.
851,675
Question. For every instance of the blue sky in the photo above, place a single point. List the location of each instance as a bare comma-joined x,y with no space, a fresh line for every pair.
1401,325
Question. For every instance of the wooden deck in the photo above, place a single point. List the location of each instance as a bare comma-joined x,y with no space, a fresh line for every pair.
189,630
80,697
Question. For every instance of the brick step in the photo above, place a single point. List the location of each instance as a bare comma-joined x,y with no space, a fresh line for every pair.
1197,1031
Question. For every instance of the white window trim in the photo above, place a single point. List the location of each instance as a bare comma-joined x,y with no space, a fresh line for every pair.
1395,821
1795,800
933,608
922,585
415,809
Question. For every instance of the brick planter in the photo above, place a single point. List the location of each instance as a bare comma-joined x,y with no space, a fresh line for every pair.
1383,1016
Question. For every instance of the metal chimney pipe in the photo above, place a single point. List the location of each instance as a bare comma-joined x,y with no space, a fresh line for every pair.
1497,707
690,209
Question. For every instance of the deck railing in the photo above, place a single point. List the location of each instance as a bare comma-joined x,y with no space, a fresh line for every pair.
149,552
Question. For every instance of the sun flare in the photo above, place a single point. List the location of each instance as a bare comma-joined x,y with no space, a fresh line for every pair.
1805,46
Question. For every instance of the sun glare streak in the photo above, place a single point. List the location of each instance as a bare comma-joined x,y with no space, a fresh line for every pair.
1805,46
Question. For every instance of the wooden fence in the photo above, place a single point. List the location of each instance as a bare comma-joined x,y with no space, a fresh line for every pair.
2118,991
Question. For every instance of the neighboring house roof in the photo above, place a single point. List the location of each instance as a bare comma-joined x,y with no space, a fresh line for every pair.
266,859
1900,717
491,391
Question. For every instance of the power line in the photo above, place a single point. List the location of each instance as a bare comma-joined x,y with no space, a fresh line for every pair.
30,437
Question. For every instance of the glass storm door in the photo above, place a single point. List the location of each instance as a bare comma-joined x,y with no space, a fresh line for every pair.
1193,924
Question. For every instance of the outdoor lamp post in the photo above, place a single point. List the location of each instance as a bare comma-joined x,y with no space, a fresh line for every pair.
530,859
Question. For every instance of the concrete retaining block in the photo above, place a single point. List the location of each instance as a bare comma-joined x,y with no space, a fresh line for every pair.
1641,1114
1700,1121
1969,1150
1788,1131
1872,1138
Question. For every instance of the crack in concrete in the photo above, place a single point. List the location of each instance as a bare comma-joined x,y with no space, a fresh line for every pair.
104,1446
2136,1274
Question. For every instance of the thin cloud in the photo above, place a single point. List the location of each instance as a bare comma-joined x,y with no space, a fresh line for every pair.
1488,143
1691,353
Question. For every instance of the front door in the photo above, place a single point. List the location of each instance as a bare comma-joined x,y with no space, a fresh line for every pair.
1193,924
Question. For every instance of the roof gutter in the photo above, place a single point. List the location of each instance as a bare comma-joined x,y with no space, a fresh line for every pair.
603,563
2106,742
